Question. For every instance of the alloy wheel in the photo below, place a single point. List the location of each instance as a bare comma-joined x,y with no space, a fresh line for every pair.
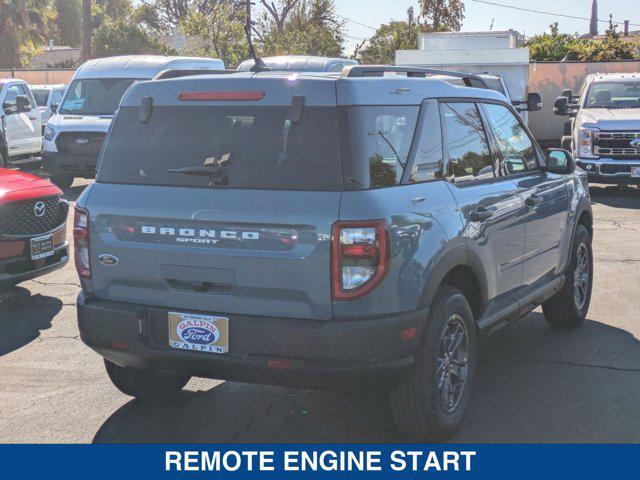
452,363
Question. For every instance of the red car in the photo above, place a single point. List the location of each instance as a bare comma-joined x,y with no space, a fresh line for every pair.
33,233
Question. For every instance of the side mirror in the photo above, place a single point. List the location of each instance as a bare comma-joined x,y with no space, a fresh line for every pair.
560,161
23,104
534,102
567,93
561,106
54,108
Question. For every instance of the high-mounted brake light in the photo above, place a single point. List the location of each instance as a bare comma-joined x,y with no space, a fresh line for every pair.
221,96
359,257
81,242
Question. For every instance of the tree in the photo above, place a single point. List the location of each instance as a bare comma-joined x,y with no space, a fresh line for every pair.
593,23
68,22
442,15
24,28
392,36
303,27
218,33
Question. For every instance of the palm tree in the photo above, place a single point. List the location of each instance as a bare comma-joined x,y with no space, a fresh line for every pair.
24,27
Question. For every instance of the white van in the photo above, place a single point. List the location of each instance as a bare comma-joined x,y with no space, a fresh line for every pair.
20,124
48,97
74,135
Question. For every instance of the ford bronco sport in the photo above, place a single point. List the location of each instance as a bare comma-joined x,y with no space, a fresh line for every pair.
299,229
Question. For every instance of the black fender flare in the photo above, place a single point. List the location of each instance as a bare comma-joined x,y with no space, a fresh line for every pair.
583,206
4,148
457,257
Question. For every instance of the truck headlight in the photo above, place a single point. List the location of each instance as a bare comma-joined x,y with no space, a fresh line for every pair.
585,142
49,134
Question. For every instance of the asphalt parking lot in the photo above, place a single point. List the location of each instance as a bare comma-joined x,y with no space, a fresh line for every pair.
534,384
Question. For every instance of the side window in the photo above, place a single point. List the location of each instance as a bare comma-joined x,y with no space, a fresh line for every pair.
427,162
57,97
9,102
465,142
513,142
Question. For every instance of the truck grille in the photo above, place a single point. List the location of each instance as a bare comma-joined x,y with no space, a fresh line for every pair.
616,145
21,219
80,143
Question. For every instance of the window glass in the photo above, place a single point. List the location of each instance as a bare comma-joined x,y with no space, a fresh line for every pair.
377,144
515,145
57,97
466,142
41,95
427,163
228,146
97,96
614,95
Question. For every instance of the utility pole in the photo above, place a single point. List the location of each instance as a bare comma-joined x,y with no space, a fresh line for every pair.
249,22
86,30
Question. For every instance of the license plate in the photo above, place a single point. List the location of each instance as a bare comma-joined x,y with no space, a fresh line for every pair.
199,333
635,172
41,247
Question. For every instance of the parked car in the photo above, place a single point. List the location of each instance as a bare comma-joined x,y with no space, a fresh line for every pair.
73,137
33,234
305,231
604,130
300,63
47,97
21,130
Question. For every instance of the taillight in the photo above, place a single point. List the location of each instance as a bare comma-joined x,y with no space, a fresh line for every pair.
81,242
359,257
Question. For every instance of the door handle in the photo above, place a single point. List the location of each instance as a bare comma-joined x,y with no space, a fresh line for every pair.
480,214
533,200
33,118
416,200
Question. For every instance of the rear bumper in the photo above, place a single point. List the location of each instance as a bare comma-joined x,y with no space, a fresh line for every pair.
605,170
83,166
321,353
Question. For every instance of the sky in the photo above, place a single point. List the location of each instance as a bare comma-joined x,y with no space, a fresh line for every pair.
480,16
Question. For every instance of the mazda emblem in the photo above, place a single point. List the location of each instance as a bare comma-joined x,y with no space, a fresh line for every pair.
39,209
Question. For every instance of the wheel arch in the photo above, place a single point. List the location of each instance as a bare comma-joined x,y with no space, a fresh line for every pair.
461,269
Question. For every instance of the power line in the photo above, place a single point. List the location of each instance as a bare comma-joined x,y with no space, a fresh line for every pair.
356,22
547,13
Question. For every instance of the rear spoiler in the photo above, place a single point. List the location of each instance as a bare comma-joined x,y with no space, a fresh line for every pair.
177,73
359,71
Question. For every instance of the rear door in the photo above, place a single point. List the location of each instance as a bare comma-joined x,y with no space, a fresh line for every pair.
544,195
252,238
491,206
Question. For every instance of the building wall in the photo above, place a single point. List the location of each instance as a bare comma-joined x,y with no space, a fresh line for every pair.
550,78
39,77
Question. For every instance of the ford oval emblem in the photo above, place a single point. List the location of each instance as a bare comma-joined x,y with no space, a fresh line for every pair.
108,260
635,143
198,335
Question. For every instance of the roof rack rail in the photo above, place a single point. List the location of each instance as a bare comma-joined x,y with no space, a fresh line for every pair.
177,73
379,71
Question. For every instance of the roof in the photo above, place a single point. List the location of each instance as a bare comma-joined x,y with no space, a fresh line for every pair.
608,77
142,66
47,87
10,80
300,63
319,89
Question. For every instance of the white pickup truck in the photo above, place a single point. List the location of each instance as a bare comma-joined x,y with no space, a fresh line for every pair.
20,124
604,130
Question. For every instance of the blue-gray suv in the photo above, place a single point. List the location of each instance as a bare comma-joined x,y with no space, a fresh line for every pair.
325,230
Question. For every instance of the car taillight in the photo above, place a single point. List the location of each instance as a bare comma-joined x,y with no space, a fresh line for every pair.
359,257
81,242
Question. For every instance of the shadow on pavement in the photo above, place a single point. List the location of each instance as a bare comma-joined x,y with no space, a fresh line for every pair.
72,194
23,317
615,196
535,383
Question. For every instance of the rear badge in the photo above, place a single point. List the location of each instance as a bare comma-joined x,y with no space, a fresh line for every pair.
108,260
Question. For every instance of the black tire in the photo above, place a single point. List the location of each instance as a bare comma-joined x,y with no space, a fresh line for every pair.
62,181
417,405
565,143
568,308
4,163
145,384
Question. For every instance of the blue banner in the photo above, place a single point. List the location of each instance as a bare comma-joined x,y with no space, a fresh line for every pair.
318,461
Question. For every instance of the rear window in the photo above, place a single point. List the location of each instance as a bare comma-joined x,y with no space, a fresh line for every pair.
247,146
41,96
